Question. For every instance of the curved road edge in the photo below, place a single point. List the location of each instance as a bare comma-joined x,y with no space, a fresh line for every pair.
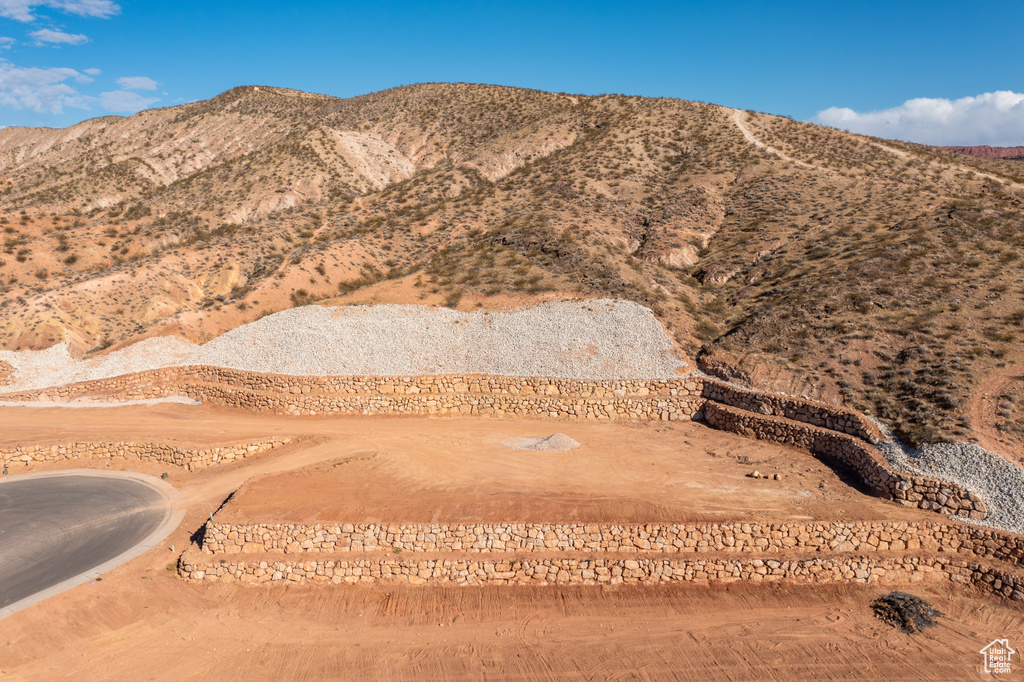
173,516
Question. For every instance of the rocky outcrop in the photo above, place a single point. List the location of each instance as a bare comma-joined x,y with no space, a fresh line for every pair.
988,152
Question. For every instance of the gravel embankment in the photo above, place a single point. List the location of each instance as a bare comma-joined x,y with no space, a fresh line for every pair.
997,481
55,367
93,404
590,339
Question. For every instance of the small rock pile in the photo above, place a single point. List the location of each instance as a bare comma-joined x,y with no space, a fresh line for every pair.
554,442
905,611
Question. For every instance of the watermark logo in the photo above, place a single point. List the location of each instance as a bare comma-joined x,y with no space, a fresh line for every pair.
997,656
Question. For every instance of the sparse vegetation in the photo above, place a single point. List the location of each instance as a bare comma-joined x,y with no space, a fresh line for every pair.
886,280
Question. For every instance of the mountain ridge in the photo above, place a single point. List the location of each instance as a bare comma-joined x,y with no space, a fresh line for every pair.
776,252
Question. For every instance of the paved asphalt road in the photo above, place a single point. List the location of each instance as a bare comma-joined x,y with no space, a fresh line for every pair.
58,527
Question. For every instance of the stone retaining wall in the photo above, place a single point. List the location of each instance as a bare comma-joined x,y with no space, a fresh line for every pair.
423,394
191,459
441,395
866,460
459,394
595,571
147,383
762,538
796,409
823,429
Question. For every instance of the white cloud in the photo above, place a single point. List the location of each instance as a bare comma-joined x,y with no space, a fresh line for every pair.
92,71
125,101
21,10
137,83
5,43
58,37
41,90
994,118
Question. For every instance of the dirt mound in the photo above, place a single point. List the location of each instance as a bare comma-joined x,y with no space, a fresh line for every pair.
554,442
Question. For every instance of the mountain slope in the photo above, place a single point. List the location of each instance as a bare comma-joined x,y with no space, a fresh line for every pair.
800,258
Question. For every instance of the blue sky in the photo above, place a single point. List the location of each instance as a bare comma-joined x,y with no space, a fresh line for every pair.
896,69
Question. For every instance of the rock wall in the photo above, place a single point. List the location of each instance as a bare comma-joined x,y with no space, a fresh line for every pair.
443,394
191,459
796,409
6,373
460,394
762,538
595,571
431,395
556,554
866,460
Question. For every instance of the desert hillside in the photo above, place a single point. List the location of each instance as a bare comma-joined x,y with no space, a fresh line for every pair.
882,275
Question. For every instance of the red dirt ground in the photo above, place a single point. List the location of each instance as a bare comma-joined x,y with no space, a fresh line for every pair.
142,622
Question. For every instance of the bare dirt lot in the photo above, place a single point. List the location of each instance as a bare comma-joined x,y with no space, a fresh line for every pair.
142,622
377,469
159,629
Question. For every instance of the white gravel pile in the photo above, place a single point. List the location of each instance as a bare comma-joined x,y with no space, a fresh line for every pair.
994,479
591,339
87,403
55,367
554,442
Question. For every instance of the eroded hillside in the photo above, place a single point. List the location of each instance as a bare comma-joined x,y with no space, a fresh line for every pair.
884,275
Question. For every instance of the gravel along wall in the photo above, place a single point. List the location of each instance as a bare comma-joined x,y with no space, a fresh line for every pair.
588,339
191,459
467,571
760,538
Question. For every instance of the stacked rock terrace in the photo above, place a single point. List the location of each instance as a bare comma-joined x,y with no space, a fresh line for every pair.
467,571
189,458
763,538
824,429
866,460
586,554
567,554
557,553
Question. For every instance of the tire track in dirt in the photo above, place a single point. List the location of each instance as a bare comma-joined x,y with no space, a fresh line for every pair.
983,412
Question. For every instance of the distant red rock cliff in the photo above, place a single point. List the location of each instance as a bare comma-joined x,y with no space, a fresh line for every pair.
990,152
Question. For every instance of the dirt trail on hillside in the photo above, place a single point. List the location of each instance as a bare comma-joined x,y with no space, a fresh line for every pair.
739,117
